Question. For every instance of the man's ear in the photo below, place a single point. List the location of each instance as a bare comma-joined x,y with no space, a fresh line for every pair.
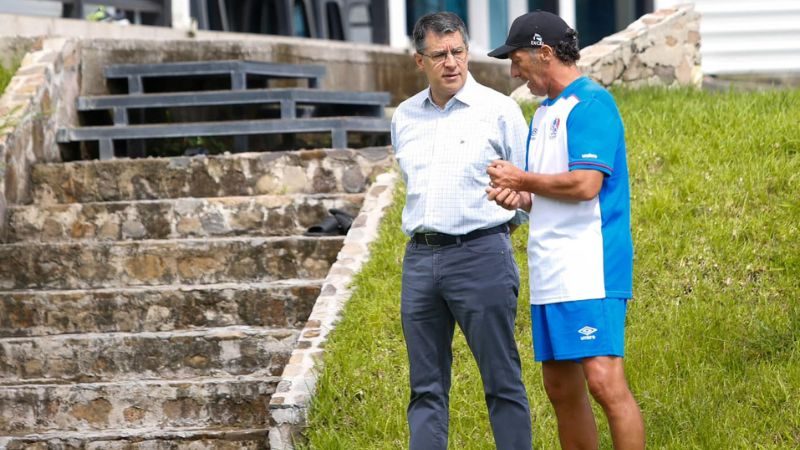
546,53
418,60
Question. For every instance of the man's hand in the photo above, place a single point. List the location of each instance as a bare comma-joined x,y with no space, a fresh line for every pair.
504,174
508,199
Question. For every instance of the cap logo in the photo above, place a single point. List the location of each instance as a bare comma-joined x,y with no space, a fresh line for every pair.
536,40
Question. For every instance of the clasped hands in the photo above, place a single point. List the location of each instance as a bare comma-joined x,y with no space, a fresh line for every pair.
504,186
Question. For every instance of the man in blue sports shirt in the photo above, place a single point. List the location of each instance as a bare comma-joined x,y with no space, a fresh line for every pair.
458,266
580,250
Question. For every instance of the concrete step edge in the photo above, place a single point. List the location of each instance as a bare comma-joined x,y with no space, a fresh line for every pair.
190,241
222,333
50,382
196,381
236,198
140,434
277,284
319,152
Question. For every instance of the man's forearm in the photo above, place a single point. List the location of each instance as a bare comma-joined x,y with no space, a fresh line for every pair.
572,186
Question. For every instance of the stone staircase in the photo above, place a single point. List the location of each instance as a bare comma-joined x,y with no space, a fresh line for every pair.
153,303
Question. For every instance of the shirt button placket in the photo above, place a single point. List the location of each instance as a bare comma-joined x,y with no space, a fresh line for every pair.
433,177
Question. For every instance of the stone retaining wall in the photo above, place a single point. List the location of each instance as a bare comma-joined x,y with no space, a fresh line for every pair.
659,49
39,99
289,404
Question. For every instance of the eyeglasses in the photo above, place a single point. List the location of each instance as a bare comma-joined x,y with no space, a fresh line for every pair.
459,53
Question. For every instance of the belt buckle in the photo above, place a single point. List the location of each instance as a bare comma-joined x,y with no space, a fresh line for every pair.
427,242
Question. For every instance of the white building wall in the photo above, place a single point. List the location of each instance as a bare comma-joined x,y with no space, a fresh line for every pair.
181,15
397,24
566,9
746,36
516,8
478,26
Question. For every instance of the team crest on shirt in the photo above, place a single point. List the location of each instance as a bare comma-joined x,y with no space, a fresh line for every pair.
554,127
533,133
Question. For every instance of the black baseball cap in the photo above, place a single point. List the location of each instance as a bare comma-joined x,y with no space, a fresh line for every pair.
533,30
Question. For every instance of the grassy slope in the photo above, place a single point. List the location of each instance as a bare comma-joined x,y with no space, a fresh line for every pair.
5,77
713,343
6,74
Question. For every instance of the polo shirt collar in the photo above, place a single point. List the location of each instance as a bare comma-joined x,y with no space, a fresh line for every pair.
568,90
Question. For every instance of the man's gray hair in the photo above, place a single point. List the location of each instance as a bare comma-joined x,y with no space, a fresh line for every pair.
439,23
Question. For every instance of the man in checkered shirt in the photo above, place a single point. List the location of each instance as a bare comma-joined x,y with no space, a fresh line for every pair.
459,266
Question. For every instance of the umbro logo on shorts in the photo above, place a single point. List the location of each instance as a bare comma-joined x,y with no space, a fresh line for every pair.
587,332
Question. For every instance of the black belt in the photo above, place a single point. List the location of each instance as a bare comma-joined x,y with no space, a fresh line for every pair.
440,239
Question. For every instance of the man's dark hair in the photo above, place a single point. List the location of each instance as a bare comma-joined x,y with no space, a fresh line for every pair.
567,50
439,23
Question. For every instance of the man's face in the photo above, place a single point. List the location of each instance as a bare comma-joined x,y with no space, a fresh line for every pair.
529,67
445,64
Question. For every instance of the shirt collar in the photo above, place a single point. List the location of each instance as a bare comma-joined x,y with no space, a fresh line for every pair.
468,94
568,90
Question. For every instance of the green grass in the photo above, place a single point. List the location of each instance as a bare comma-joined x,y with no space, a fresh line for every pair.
5,77
713,337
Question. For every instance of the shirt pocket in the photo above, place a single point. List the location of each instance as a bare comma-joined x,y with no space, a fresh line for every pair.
478,147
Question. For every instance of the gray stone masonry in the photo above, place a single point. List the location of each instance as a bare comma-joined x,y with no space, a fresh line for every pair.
155,303
160,438
659,49
37,100
282,304
166,355
279,173
198,402
176,218
164,262
289,405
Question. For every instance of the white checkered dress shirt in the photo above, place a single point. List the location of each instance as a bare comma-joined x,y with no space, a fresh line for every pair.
444,152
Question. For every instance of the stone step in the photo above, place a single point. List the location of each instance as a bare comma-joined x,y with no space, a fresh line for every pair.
160,262
93,357
222,438
201,402
305,171
268,215
159,308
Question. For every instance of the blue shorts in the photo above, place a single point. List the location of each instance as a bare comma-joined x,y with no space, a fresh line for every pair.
579,329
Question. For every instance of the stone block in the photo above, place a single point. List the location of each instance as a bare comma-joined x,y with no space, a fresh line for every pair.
152,263
213,176
218,402
660,55
165,355
683,73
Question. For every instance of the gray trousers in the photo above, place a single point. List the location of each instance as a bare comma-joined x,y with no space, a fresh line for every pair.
474,284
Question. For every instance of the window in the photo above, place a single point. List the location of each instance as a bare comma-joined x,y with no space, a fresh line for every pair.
360,22
300,19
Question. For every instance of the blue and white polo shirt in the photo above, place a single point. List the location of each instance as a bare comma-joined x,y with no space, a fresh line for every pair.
580,250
